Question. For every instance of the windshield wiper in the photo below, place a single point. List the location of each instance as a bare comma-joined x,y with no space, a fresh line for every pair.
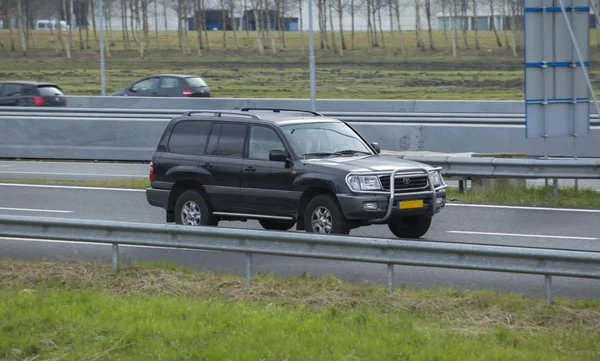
340,153
352,152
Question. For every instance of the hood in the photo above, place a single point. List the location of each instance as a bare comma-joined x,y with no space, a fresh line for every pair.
366,163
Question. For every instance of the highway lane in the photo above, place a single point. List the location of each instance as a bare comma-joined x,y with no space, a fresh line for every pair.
113,171
458,223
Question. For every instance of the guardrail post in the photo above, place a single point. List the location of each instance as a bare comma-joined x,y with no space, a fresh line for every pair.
576,186
390,278
548,289
555,188
115,257
248,269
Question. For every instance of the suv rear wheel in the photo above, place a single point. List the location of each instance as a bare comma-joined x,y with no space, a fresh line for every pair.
192,209
323,215
411,227
276,225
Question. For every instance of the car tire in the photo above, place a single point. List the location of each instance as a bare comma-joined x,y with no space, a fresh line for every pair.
193,209
275,225
323,215
411,227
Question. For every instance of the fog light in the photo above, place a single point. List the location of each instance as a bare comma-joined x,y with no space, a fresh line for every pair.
439,201
370,206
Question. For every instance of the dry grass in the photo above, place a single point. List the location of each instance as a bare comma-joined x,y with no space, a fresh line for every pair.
468,312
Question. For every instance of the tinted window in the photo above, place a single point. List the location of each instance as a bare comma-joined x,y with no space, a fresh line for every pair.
11,90
230,141
169,83
262,141
189,137
147,84
196,82
213,144
47,91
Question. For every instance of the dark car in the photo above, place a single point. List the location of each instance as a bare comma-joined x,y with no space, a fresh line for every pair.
167,85
27,93
299,168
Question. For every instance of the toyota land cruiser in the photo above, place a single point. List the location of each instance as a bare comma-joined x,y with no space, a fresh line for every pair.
285,168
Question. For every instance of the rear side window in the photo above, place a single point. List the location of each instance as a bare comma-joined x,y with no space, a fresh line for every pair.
196,82
48,91
169,83
11,90
189,137
227,140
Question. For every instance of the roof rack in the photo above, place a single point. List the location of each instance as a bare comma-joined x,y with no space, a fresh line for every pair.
275,110
217,113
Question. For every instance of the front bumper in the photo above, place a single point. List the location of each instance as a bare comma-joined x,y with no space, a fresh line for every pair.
374,208
385,207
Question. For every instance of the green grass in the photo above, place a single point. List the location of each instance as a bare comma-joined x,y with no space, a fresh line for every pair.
534,196
531,196
490,73
81,311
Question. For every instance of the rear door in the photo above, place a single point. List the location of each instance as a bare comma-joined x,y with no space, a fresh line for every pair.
170,87
10,94
223,160
53,95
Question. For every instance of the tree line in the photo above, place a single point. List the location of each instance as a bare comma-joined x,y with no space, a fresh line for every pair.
135,16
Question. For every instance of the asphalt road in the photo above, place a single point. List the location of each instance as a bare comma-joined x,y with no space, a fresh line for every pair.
547,227
113,171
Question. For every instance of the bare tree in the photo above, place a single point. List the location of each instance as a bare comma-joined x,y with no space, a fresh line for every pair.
492,5
68,45
22,24
400,38
474,6
428,17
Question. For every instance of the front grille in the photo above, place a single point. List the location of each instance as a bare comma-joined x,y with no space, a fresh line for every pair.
418,183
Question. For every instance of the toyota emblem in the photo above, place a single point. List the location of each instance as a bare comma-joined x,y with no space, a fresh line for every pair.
406,180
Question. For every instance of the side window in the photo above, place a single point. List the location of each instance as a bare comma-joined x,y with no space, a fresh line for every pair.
189,137
169,83
11,90
227,140
262,141
147,84
27,91
213,143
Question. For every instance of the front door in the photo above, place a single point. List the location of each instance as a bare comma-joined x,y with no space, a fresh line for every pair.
266,184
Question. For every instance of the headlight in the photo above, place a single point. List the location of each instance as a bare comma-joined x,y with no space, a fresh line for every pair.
364,183
436,178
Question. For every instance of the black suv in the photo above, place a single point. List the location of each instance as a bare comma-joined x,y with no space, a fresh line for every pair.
286,168
30,93
167,85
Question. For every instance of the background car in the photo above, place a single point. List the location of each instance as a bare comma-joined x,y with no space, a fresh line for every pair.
167,85
27,93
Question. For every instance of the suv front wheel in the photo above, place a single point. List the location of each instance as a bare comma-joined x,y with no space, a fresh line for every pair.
192,209
411,227
323,215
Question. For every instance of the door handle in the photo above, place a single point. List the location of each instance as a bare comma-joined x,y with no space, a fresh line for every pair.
249,169
206,165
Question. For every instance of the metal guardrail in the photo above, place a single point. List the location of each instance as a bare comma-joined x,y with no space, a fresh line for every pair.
524,260
365,115
491,167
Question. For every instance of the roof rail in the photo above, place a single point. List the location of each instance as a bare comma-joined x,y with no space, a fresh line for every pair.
217,113
275,110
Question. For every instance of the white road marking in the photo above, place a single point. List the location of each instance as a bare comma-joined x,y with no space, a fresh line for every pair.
78,174
5,166
98,244
525,208
524,235
71,187
34,210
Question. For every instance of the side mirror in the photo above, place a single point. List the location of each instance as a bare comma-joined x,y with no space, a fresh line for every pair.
278,155
376,147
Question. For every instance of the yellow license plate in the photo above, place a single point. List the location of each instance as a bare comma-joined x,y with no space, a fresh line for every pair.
410,204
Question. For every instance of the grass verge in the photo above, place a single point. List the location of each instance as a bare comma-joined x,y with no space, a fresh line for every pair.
82,311
531,196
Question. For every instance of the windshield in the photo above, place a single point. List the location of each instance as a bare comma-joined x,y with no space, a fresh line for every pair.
325,140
